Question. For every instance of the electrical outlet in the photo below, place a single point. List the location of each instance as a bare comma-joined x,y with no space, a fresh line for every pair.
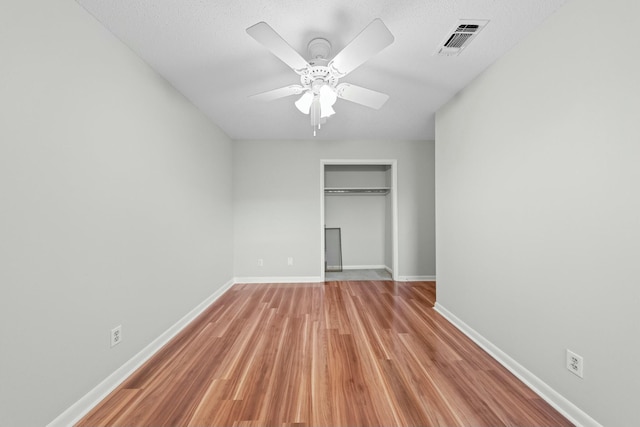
575,364
260,262
116,335
290,260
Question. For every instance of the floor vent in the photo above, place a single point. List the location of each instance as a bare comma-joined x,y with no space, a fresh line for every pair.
460,36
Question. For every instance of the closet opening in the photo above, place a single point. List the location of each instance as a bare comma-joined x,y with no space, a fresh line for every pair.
359,197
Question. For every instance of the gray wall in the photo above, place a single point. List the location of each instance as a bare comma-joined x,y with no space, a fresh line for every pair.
538,230
115,207
277,203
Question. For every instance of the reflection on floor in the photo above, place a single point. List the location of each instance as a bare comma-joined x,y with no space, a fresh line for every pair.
380,274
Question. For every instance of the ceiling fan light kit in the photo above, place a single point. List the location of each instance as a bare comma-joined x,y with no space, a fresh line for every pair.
319,76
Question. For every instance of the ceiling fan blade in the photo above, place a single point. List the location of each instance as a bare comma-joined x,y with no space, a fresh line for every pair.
375,37
278,93
268,37
360,95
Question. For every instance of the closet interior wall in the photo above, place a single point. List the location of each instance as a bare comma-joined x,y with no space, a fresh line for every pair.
358,201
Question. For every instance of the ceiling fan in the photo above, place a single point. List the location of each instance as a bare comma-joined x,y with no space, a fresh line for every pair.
319,76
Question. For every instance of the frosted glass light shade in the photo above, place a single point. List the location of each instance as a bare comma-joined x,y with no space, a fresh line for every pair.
304,103
328,97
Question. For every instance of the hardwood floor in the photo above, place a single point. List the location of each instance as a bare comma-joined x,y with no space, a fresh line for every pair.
360,353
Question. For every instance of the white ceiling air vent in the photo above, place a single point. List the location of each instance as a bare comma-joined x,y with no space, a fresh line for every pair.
460,36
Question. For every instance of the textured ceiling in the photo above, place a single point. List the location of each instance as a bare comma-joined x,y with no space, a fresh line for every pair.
202,49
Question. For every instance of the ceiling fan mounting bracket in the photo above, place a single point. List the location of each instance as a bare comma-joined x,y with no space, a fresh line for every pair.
319,48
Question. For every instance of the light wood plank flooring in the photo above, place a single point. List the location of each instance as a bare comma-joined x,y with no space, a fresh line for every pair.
345,353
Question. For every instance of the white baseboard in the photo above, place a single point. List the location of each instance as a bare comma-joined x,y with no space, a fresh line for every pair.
574,414
79,409
284,279
416,278
364,267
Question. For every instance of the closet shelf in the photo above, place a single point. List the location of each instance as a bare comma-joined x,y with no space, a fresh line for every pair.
365,191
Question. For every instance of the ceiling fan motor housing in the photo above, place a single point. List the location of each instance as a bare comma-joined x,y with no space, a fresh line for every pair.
318,75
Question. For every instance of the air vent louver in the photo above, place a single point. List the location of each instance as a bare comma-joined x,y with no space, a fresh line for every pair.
457,40
460,37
